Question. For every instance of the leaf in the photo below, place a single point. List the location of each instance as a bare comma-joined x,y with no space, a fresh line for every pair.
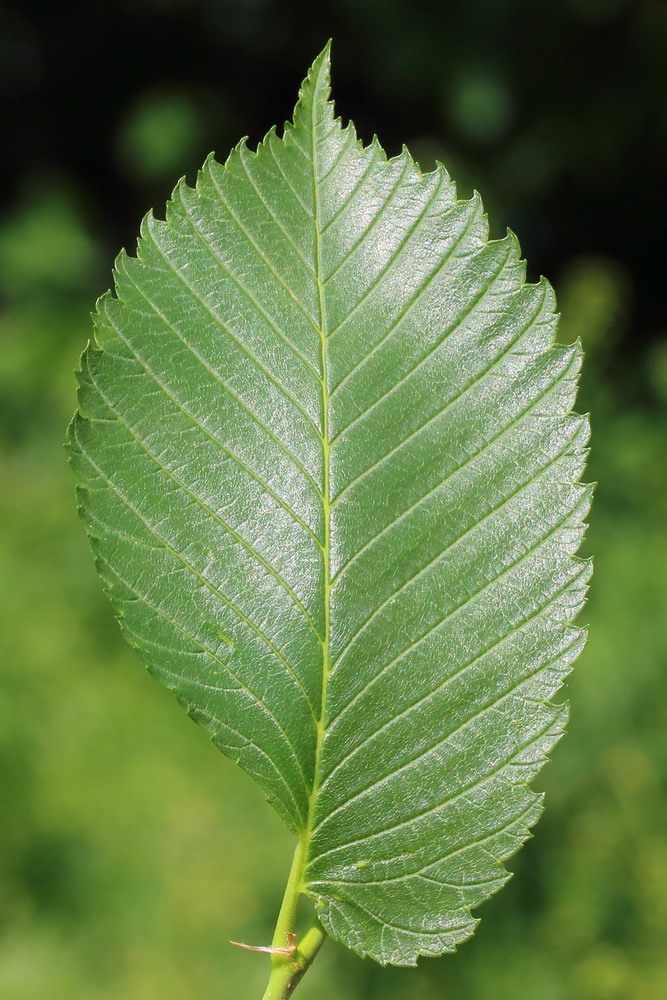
327,460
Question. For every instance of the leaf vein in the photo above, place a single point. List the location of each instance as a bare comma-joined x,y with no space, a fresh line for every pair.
373,223
241,286
409,304
206,582
204,579
477,301
232,455
467,387
306,211
460,793
459,607
372,161
244,153
494,510
505,429
463,723
210,511
214,375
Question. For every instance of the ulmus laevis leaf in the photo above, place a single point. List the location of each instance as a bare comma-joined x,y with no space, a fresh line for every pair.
328,462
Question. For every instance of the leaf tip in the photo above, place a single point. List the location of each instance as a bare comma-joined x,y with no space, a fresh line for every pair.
316,88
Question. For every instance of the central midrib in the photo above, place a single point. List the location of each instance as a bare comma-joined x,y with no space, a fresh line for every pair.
326,502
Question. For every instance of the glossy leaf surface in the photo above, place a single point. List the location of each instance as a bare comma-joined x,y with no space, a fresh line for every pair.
327,460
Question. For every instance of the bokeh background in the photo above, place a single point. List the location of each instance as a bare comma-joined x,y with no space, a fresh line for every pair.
130,850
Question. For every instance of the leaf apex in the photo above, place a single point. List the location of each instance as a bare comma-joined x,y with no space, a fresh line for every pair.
316,88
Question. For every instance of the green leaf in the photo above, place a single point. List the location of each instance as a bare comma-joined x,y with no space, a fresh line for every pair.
327,460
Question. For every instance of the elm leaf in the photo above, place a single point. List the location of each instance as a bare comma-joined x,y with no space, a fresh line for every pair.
328,463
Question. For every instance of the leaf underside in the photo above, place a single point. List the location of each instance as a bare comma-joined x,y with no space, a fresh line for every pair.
327,460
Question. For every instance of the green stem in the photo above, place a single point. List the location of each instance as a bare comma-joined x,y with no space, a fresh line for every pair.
288,969
287,972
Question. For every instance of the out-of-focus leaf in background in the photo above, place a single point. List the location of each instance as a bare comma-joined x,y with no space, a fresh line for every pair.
159,136
130,853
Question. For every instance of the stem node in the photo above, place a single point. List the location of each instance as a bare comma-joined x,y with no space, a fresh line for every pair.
291,959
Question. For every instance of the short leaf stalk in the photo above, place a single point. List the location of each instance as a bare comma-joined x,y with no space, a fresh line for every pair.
290,963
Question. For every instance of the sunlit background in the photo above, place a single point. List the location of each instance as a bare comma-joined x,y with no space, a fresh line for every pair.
130,849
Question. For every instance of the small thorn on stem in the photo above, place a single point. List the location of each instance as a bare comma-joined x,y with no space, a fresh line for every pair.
288,950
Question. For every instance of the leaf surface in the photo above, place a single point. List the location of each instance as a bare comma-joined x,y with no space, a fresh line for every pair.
328,463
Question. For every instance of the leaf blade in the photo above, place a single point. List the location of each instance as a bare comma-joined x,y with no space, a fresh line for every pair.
349,460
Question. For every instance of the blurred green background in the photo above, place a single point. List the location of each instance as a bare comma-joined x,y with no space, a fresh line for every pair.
130,850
